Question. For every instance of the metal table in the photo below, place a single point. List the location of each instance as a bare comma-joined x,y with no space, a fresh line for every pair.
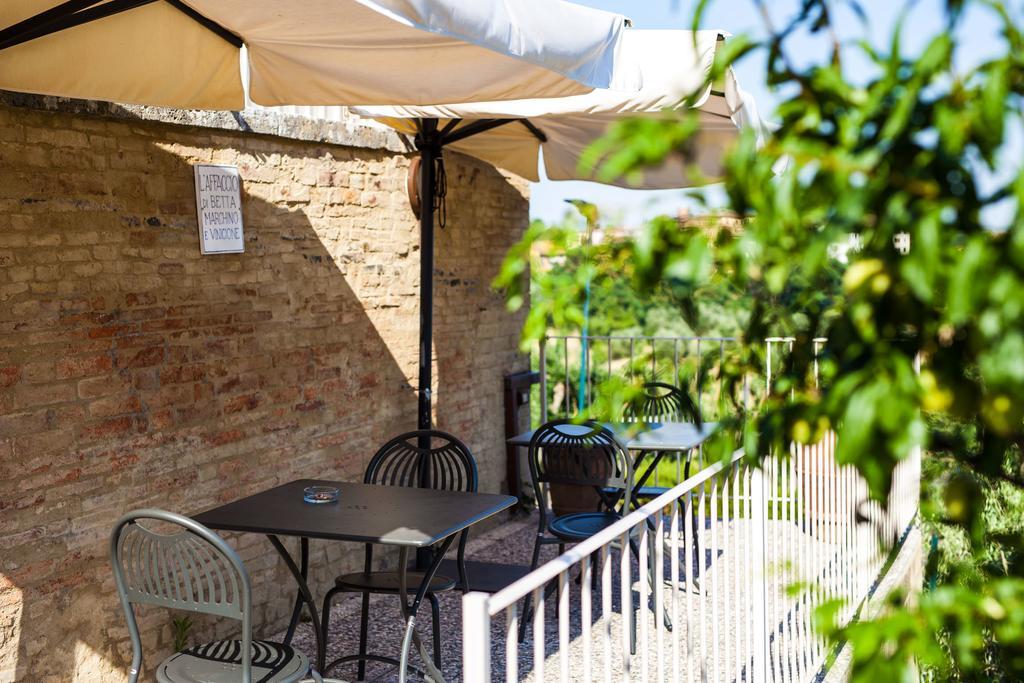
658,438
409,518
653,436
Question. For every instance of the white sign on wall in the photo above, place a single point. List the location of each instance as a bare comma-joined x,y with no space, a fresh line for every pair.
219,205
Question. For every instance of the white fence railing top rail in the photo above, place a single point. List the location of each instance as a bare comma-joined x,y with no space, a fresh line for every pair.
572,365
616,337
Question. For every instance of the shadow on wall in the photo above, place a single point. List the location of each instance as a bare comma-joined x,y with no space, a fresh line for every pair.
135,372
470,315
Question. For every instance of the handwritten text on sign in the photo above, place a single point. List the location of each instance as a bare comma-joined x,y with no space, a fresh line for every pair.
219,203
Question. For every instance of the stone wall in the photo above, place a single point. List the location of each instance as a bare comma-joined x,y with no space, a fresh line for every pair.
135,372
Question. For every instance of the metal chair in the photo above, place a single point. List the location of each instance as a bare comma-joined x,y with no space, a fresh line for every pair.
659,402
588,455
193,569
425,459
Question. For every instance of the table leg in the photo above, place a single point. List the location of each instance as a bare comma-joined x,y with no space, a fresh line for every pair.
692,521
305,595
610,502
409,611
658,455
697,560
297,610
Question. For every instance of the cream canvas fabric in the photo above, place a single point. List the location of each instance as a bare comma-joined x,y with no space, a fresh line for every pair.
151,55
331,52
672,64
322,52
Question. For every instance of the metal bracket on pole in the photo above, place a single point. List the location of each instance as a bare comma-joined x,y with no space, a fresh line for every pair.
473,128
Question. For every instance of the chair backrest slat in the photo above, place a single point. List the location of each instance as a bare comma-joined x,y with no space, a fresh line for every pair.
189,568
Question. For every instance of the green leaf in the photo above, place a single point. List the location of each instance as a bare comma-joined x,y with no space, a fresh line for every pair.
922,265
964,298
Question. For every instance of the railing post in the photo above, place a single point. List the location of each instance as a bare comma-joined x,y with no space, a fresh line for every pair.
759,513
476,638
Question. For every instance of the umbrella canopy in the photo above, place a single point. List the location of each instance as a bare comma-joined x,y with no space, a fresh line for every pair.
186,53
672,65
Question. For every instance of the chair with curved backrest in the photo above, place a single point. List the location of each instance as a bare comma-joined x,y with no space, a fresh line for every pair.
659,402
564,453
425,459
193,569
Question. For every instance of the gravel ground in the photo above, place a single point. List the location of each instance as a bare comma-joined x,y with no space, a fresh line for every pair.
705,632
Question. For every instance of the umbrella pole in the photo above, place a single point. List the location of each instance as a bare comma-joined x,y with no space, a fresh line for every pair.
428,142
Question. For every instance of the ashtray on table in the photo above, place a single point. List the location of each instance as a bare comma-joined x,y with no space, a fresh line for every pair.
318,495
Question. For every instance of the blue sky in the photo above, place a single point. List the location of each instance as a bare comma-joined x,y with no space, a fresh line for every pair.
978,39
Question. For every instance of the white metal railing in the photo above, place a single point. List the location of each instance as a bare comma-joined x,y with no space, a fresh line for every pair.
571,366
720,553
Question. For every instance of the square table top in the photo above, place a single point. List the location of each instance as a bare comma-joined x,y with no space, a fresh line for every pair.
364,513
653,436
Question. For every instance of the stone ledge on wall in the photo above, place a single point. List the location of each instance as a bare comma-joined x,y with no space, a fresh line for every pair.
350,131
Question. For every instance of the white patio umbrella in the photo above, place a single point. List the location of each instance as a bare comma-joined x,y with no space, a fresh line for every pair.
511,134
186,53
672,65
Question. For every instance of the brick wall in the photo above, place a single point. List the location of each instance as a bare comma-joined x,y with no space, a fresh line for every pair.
136,372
